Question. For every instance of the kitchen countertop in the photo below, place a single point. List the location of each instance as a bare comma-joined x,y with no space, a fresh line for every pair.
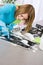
17,55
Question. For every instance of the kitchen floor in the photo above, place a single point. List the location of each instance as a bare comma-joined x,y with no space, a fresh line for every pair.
17,55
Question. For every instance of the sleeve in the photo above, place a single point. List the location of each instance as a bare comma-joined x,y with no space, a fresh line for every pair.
9,7
7,13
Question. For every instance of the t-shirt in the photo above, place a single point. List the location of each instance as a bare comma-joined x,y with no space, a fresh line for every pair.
7,13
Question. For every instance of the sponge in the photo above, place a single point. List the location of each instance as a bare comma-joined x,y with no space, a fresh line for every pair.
16,21
37,40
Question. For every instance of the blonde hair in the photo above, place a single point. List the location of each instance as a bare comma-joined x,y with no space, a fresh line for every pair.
27,8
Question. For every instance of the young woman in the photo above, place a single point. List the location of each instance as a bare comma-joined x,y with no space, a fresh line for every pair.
26,13
10,12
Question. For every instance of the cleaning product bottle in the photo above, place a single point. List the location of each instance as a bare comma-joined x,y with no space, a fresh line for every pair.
41,43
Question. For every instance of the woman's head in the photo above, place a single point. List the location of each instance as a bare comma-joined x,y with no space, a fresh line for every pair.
22,16
26,12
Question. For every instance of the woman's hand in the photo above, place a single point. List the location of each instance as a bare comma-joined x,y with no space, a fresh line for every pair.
16,29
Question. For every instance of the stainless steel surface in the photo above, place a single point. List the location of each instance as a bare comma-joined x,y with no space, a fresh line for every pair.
17,55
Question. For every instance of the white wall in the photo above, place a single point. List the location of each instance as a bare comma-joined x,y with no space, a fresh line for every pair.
39,13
